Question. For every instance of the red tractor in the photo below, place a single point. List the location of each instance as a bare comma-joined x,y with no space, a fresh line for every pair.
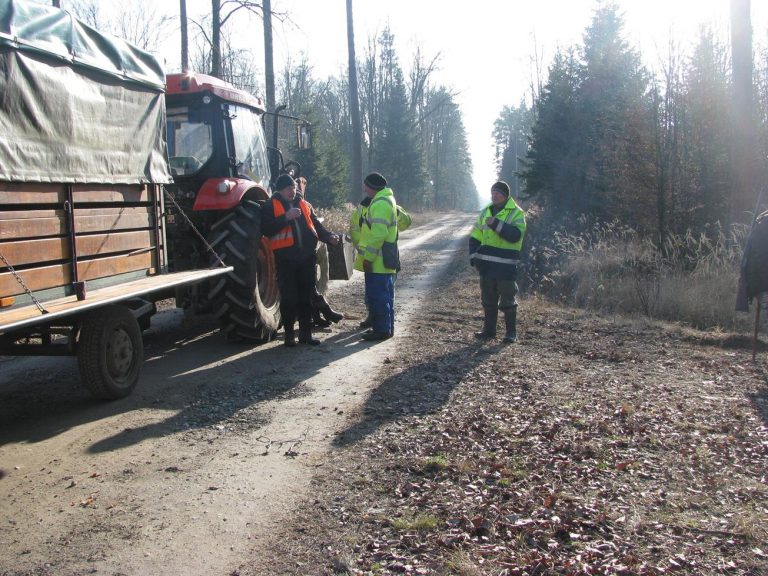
103,212
221,167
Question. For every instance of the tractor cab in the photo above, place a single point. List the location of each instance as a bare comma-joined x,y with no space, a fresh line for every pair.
214,131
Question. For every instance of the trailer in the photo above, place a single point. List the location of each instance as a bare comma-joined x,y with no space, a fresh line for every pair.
83,217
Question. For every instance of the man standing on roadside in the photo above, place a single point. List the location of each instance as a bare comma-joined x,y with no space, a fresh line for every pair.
379,255
494,251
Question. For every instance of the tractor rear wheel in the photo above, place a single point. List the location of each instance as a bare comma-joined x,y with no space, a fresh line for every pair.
246,301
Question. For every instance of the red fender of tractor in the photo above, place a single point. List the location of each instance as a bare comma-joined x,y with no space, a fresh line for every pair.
225,193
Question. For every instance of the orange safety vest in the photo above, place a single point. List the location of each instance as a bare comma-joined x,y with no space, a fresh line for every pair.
284,238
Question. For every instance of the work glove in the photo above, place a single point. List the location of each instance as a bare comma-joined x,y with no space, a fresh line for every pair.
367,266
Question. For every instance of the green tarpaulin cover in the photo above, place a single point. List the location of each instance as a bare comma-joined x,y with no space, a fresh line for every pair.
76,105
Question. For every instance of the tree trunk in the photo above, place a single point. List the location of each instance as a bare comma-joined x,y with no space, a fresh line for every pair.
269,65
216,38
744,162
184,36
354,110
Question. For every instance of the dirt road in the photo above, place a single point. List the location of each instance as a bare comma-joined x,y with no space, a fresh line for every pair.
209,455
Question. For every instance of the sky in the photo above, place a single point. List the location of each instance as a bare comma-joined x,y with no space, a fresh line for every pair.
487,48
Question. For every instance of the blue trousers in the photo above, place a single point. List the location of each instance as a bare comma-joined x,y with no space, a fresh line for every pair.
380,293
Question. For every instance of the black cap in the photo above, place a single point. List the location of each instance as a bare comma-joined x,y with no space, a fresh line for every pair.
501,186
375,181
283,181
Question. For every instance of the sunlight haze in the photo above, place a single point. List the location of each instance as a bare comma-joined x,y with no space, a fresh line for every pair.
488,52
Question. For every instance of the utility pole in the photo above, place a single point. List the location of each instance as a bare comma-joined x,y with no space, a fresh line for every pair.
354,111
184,36
269,64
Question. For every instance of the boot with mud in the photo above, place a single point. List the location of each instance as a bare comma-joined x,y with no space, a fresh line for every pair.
489,324
317,320
289,339
305,334
330,314
510,325
368,322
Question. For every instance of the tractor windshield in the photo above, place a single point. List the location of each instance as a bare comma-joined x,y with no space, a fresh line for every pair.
250,152
190,141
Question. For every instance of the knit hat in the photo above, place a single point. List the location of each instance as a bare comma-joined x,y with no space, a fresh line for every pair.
375,181
283,181
501,186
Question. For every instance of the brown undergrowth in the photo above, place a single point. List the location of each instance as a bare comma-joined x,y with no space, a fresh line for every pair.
593,446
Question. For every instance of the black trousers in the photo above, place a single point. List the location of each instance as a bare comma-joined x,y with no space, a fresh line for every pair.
296,281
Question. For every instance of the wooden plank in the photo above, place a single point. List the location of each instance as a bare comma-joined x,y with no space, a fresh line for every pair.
24,252
113,222
16,193
114,242
24,214
40,223
27,315
36,279
114,265
60,274
110,193
33,227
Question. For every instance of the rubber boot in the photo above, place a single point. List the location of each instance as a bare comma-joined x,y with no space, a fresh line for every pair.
489,324
331,314
289,339
510,323
368,322
305,334
318,320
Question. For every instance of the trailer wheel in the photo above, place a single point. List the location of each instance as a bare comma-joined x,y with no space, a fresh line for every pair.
110,352
247,300
321,268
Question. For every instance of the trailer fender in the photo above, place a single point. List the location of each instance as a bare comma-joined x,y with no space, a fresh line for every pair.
226,193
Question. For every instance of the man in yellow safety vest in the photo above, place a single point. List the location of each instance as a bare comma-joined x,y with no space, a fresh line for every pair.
494,251
378,256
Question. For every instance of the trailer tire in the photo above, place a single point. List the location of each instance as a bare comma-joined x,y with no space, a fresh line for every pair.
247,300
110,352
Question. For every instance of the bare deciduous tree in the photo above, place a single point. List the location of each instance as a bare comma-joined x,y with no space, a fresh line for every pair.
138,22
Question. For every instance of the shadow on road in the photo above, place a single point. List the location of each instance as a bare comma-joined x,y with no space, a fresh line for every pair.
199,379
419,390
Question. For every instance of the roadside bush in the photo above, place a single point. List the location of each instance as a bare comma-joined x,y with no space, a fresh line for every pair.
611,268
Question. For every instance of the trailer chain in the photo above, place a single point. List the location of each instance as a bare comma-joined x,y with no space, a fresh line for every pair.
194,228
23,285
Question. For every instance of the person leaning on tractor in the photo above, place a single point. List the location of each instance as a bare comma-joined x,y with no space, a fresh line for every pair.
494,251
322,313
293,232
377,256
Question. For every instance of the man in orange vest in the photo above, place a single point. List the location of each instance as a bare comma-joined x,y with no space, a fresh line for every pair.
293,230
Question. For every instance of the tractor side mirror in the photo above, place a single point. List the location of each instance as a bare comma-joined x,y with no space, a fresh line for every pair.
304,136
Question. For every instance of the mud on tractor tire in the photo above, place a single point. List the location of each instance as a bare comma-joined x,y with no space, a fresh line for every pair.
246,301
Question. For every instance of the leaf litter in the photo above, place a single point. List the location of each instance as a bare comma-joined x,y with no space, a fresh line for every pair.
593,446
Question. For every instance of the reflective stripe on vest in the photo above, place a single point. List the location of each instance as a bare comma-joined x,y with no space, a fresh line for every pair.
494,248
284,237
